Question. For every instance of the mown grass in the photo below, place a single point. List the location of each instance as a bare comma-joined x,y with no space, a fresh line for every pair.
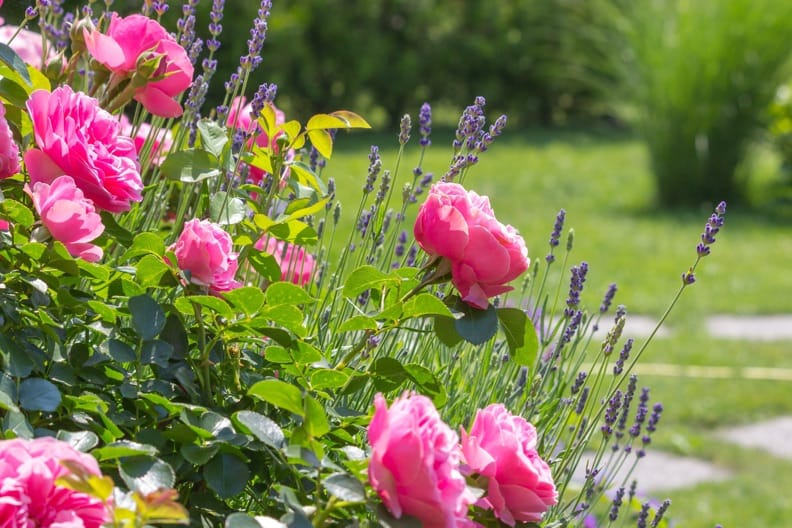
602,180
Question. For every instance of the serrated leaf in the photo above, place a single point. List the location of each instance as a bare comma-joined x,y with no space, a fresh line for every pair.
148,318
248,299
226,475
190,166
225,210
520,335
425,304
427,383
150,269
358,322
16,212
316,423
322,141
243,520
261,427
387,374
145,243
294,231
146,474
365,278
352,119
80,440
10,58
345,487
476,326
213,136
36,394
280,293
328,379
280,394
210,302
265,264
308,210
199,454
325,122
121,449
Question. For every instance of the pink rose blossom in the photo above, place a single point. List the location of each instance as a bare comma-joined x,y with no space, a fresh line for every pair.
295,263
29,495
414,464
204,249
502,447
77,138
9,152
135,39
460,227
68,216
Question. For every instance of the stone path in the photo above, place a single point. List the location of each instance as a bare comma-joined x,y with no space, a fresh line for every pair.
662,472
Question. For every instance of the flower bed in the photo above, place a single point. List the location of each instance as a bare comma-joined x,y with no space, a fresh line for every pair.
180,342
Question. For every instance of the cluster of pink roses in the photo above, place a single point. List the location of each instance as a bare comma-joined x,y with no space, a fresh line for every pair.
418,466
30,494
459,228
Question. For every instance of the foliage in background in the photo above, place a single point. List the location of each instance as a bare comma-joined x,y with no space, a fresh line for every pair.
780,128
700,76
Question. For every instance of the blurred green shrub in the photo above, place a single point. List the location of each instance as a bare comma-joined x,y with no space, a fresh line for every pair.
780,126
700,75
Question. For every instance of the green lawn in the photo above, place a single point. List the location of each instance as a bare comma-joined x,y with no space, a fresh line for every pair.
603,182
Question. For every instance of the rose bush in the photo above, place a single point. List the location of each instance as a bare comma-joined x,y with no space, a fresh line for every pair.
30,494
460,227
9,151
502,447
77,138
68,216
204,250
414,464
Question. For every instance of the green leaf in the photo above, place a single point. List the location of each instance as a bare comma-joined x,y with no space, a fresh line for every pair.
248,299
476,326
10,58
226,475
365,278
294,231
13,92
345,487
358,322
190,166
280,293
243,520
157,352
280,394
446,332
265,264
146,474
81,440
328,379
225,210
150,269
146,243
322,141
213,136
306,353
277,354
425,304
306,211
215,304
148,318
316,423
261,427
305,176
427,383
387,374
36,394
199,454
120,351
16,212
520,335
122,449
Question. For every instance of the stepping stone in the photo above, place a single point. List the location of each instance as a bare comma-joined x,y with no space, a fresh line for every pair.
660,471
773,436
751,327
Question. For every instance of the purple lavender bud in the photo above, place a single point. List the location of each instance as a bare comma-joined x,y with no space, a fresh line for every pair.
616,504
382,192
624,355
496,129
581,378
643,516
628,397
660,512
688,277
657,410
425,124
581,405
608,299
412,253
32,12
404,129
611,413
216,14
555,236
375,165
576,281
572,327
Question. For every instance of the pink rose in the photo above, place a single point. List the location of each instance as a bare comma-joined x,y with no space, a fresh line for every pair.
9,152
204,249
414,464
295,263
502,447
77,138
460,227
160,140
135,39
29,495
68,216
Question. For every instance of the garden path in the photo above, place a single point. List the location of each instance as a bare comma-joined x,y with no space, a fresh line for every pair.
660,471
